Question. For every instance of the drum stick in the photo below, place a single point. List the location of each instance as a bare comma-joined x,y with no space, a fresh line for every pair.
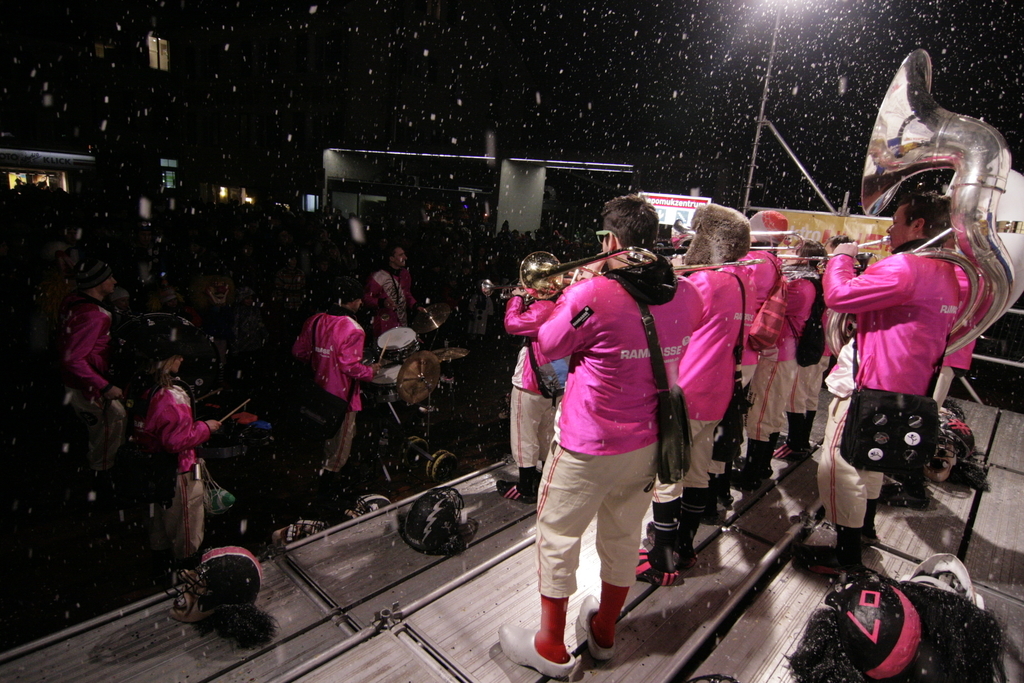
206,396
381,359
240,406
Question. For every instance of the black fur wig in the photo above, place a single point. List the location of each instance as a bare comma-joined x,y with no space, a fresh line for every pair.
960,643
246,624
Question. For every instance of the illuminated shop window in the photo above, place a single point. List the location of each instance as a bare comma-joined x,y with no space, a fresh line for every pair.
169,173
159,52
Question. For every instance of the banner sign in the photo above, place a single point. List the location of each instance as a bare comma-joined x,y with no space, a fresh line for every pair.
675,207
32,159
819,226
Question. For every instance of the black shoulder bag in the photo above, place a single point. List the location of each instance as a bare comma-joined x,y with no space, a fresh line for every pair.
673,425
889,432
729,435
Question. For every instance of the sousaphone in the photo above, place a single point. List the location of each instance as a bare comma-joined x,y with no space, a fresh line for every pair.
913,134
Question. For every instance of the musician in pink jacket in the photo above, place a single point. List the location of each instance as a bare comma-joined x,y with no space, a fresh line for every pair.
83,346
905,307
332,343
163,422
532,409
388,293
604,462
706,377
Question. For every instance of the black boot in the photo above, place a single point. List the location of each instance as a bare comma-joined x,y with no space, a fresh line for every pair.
723,487
794,435
759,456
694,502
848,546
710,513
326,487
868,530
658,565
160,565
909,492
766,471
525,490
809,427
796,446
824,559
334,491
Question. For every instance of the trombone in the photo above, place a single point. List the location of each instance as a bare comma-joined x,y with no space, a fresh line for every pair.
713,266
542,273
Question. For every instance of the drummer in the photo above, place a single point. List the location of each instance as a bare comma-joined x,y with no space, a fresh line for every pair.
388,293
332,342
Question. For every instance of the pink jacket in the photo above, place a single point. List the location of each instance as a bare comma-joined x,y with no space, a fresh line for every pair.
764,276
335,355
376,299
83,345
525,321
609,406
707,372
905,307
169,427
799,299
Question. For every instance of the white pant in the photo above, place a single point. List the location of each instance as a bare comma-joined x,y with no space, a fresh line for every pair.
942,385
803,397
532,419
769,391
576,488
105,421
338,448
703,434
181,527
844,489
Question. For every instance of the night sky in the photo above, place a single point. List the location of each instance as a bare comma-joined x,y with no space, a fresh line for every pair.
672,78
682,79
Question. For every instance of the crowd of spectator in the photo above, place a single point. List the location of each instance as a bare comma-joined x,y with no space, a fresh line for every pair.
235,269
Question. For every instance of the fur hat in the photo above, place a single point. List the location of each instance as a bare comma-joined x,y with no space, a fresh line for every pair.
721,235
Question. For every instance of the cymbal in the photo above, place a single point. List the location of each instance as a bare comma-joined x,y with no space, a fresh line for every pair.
451,353
431,319
418,376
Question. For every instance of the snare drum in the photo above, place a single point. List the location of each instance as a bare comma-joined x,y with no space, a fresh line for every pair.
383,388
398,343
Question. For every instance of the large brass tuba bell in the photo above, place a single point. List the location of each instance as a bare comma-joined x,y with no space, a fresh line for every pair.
912,134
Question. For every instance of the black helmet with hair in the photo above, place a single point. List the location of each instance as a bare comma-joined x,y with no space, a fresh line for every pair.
158,336
346,289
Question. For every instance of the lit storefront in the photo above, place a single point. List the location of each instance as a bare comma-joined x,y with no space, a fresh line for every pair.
44,168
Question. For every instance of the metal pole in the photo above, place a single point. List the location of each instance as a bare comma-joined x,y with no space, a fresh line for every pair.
760,116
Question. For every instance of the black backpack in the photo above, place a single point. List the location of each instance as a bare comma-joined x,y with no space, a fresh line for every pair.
811,346
432,525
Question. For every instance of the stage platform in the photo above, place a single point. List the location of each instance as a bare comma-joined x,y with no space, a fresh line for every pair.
355,603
